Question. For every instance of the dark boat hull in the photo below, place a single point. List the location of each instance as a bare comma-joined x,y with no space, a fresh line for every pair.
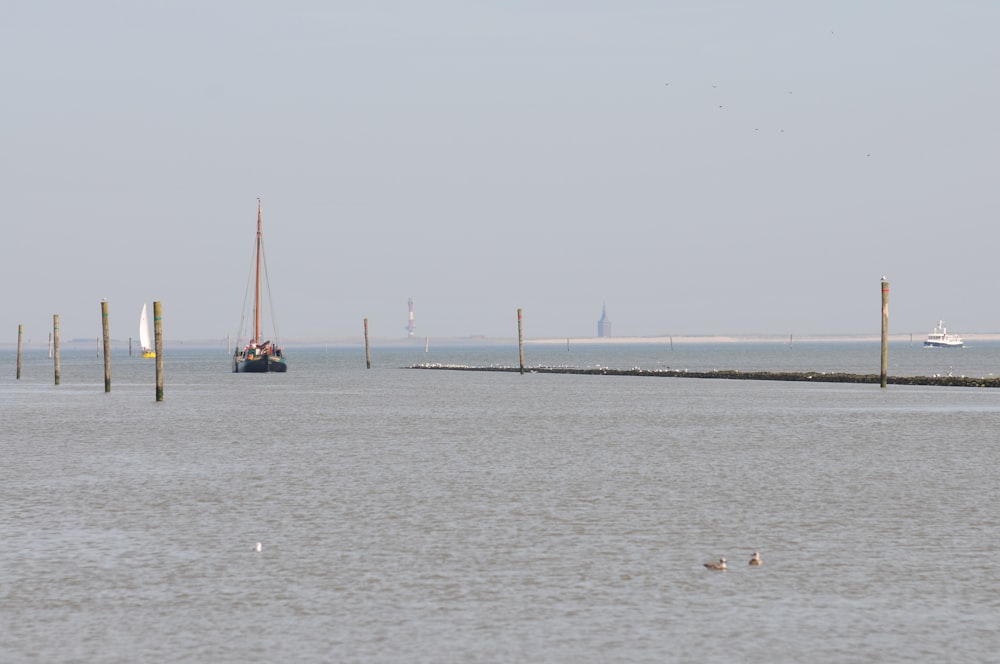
266,364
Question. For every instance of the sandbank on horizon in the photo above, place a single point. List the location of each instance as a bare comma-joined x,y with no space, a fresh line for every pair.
721,338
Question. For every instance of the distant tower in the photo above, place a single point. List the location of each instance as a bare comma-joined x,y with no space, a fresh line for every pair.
604,325
411,327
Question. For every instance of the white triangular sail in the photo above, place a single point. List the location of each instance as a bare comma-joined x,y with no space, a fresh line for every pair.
144,331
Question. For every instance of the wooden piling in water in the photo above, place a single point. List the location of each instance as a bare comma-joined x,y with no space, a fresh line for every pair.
883,375
368,350
520,339
55,345
158,342
20,335
107,345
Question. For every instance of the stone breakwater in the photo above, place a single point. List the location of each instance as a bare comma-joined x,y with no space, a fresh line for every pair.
731,374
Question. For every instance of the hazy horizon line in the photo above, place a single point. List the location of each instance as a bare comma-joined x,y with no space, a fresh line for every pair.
484,340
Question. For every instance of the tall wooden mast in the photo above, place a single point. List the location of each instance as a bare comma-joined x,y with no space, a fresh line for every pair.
256,306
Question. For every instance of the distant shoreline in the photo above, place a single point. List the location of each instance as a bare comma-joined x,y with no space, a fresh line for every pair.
762,338
77,343
653,340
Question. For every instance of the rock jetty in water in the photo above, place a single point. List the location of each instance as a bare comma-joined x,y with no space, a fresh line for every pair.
732,374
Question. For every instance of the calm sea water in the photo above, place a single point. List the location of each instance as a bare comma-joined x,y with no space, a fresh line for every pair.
436,516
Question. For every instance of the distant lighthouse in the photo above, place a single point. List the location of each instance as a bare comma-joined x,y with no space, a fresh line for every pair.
604,324
411,326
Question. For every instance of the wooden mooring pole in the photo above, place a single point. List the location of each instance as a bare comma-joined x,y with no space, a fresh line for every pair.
55,344
20,335
368,349
107,345
884,375
158,341
520,339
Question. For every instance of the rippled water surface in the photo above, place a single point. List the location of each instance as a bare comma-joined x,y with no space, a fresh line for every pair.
410,515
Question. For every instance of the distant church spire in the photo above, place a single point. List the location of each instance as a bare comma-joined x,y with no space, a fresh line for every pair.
604,325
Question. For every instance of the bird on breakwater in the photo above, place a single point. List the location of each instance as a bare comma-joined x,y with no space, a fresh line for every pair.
755,561
721,565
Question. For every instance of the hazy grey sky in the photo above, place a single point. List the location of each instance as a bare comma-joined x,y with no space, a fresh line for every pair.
701,167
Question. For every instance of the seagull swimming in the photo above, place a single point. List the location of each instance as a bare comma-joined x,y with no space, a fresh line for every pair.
756,559
257,547
721,565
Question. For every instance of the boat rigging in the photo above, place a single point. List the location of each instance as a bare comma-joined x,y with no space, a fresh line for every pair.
259,356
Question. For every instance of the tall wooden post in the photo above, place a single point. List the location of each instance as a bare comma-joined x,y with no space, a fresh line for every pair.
107,345
885,333
20,335
55,344
520,339
158,342
368,350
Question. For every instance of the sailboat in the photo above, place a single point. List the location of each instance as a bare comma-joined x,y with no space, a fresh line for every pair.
144,339
258,356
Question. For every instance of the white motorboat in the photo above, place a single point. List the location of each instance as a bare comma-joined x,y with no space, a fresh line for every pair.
940,338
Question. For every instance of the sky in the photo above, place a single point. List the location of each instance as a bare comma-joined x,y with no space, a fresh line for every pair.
699,168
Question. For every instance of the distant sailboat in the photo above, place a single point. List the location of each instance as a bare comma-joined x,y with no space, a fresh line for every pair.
144,337
259,356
